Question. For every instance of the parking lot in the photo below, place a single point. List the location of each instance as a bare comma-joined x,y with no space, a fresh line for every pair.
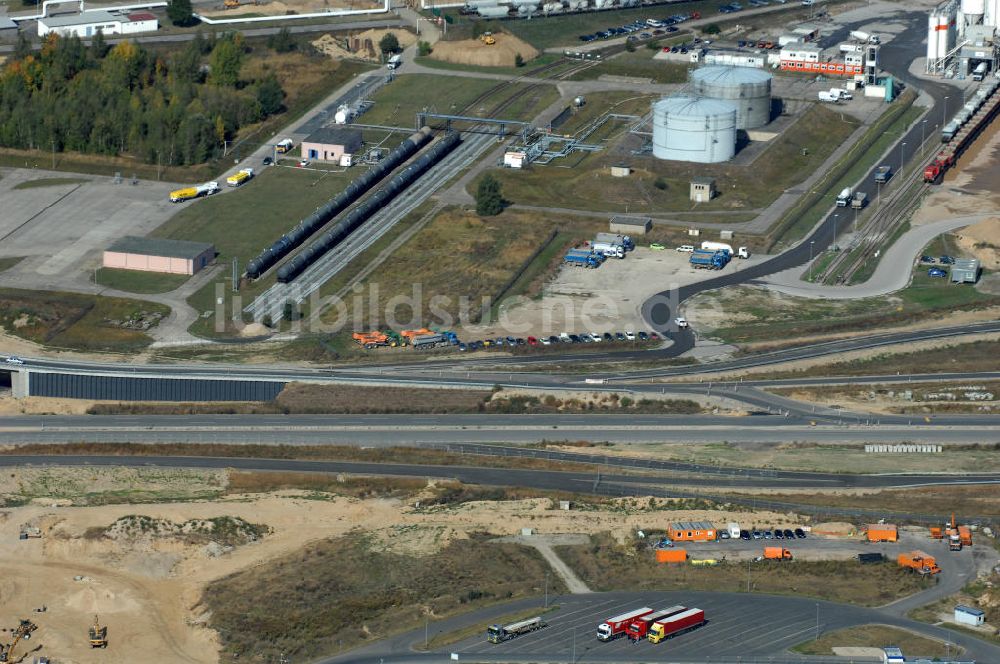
62,229
610,297
738,624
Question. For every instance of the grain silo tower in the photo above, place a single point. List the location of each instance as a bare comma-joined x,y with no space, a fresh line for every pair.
747,88
694,129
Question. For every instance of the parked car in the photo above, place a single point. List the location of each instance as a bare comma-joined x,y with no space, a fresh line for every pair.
789,534
927,259
768,534
778,534
936,272
686,248
607,336
744,534
655,337
619,336
630,336
656,246
268,161
801,534
757,535
947,260
532,341
724,534
681,322
14,360
574,338
303,163
643,336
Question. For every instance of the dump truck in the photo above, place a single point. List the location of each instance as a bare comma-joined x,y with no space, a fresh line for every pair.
370,340
860,200
614,627
581,258
777,553
501,633
639,627
965,535
844,198
937,532
98,634
882,174
625,241
710,260
919,562
188,193
284,145
671,555
242,177
676,624
425,341
409,335
881,532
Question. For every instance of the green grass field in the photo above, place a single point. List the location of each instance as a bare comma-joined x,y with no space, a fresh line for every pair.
76,320
655,186
134,281
638,64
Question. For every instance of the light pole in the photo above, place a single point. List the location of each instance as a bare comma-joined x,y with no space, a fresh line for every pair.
923,127
546,590
944,112
855,221
902,158
817,621
811,243
836,215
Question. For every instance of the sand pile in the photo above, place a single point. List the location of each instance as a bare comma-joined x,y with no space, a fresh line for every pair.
982,241
475,52
363,45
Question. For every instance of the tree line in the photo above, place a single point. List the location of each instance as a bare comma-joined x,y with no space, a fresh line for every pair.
174,109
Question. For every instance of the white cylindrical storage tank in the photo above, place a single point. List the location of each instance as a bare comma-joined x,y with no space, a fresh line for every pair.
973,7
694,129
933,39
748,89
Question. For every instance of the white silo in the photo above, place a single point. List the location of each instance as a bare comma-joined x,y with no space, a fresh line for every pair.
747,88
694,129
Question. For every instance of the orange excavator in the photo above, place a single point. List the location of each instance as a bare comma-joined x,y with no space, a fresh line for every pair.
22,631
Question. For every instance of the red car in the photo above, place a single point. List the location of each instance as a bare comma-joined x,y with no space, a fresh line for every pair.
532,341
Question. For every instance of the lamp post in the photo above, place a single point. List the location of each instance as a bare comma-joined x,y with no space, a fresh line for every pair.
944,112
902,157
811,243
923,128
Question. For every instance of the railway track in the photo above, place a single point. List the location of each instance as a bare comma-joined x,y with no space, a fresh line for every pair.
271,303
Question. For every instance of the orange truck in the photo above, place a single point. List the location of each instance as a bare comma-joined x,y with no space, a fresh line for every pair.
777,553
919,562
671,555
965,534
370,339
882,532
937,533
410,334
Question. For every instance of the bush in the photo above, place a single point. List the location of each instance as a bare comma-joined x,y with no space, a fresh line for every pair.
181,13
630,46
282,41
518,60
711,29
660,184
389,43
424,49
489,197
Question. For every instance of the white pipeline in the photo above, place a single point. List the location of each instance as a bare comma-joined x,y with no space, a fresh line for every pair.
46,3
291,17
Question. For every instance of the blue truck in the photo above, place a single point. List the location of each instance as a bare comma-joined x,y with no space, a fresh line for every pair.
710,260
583,258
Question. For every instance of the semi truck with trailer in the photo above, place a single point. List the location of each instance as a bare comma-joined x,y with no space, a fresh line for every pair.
625,241
639,627
501,633
242,177
615,626
676,624
608,249
189,193
742,252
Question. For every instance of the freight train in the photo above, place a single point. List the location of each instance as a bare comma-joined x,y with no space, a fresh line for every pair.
298,264
298,235
958,134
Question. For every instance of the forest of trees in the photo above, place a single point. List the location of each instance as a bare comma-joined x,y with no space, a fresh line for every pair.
175,109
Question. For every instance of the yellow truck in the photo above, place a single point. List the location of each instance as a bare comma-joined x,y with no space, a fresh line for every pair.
242,177
188,193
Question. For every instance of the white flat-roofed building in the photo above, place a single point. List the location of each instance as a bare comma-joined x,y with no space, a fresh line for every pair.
87,24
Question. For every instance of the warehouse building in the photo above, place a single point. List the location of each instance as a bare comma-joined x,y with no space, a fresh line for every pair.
89,23
331,143
630,225
151,254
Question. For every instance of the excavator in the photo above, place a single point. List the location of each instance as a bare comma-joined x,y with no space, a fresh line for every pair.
22,631
98,634
488,38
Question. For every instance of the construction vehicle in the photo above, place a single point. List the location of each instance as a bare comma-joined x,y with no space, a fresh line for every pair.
777,553
919,562
231,4
614,627
488,38
242,177
22,631
370,340
676,624
501,633
189,193
410,335
30,532
583,258
958,536
639,627
937,532
881,532
98,634
284,145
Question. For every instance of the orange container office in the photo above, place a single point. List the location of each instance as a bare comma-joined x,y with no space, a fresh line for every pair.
693,531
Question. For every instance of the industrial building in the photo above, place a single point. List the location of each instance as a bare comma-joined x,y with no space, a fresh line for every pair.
966,615
90,22
809,59
331,143
694,129
962,40
692,531
150,254
747,89
630,225
965,271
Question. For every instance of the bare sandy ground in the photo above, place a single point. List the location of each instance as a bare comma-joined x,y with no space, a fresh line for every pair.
475,52
147,589
334,46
